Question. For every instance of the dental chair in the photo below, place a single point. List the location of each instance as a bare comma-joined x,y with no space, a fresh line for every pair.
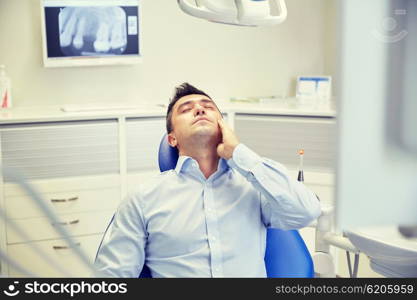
286,254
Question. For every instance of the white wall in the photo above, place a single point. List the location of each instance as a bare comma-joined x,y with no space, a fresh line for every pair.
221,59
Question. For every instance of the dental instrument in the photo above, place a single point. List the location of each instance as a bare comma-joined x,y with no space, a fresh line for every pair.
300,169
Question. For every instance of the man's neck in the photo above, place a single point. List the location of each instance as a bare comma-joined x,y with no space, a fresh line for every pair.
206,157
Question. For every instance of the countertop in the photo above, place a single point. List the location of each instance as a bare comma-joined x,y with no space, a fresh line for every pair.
97,111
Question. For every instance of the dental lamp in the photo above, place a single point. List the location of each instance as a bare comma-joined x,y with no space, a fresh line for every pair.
237,12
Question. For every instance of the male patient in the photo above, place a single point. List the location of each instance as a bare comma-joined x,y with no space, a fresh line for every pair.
207,217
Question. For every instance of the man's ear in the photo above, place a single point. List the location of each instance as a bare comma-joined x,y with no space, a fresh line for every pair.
172,140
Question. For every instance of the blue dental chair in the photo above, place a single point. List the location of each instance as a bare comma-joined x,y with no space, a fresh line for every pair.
286,253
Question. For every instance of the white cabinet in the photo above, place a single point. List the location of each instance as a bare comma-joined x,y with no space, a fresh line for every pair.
280,138
143,136
58,252
74,167
63,202
43,228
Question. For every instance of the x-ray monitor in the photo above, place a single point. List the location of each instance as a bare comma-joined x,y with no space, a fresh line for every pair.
91,32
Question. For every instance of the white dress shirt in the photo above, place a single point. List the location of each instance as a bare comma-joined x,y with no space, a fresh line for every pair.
181,224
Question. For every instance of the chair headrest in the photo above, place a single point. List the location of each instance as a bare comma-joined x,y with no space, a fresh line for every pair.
167,155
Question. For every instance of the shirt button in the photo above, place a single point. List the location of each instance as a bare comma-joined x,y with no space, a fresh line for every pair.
214,238
216,269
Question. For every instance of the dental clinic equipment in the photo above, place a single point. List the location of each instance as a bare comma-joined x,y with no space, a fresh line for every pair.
390,254
323,260
300,170
18,178
237,12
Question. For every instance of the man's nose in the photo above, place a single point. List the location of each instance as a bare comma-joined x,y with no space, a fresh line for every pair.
199,110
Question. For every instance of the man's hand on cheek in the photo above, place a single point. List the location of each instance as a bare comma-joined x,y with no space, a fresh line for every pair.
229,141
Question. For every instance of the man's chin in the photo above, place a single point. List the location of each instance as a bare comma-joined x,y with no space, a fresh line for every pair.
205,132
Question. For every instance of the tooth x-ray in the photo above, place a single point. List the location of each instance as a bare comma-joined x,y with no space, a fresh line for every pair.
92,30
75,30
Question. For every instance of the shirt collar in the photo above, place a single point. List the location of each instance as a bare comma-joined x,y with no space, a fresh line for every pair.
184,161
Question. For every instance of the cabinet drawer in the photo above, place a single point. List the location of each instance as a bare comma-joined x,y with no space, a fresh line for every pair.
19,207
42,228
57,251
61,149
60,184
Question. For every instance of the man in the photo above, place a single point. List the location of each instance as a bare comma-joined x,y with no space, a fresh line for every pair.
208,216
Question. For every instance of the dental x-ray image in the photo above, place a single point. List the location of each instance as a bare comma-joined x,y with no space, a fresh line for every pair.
92,30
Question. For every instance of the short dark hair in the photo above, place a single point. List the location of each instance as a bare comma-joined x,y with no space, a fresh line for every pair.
182,90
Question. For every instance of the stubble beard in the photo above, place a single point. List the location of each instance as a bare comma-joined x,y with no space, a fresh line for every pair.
205,137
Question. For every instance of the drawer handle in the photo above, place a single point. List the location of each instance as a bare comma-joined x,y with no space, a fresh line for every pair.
65,247
65,200
67,223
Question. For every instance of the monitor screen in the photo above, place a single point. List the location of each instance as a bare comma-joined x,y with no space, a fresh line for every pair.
90,32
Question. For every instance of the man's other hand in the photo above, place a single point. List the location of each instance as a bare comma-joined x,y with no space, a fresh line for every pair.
229,141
